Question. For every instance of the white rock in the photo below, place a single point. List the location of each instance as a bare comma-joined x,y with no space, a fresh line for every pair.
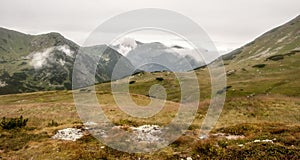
234,137
267,140
147,133
90,123
3,83
203,137
68,134
264,141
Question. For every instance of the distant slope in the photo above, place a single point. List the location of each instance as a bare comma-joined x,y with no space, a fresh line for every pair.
156,56
45,62
273,45
268,65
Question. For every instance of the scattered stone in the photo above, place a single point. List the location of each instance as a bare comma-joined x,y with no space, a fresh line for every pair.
263,141
142,134
234,137
3,83
228,136
98,132
189,158
147,133
203,137
89,125
230,72
95,129
68,134
218,135
251,95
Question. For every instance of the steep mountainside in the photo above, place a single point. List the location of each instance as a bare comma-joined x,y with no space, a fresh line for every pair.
272,46
268,65
45,62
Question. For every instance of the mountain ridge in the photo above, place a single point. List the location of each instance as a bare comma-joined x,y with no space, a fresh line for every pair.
23,55
45,62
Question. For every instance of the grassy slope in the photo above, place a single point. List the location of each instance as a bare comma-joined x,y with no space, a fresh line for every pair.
272,113
279,41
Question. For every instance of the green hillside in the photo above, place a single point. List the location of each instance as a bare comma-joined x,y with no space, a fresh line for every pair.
30,63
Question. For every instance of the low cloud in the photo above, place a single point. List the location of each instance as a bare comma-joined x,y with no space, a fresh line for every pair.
40,59
66,50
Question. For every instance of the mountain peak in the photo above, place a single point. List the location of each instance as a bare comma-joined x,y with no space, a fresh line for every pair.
126,45
55,34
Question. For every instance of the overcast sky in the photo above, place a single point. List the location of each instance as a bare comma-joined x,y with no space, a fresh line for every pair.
229,23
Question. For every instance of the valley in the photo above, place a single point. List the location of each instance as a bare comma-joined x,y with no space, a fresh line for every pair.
260,118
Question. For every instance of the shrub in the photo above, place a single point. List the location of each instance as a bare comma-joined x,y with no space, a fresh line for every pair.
131,82
52,124
159,79
183,140
209,148
241,129
124,122
259,66
275,58
13,123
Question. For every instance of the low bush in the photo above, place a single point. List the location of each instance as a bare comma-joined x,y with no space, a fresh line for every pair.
209,148
259,66
241,129
275,58
159,79
53,124
131,82
13,123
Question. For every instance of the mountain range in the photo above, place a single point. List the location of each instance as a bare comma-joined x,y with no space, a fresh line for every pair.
155,56
45,62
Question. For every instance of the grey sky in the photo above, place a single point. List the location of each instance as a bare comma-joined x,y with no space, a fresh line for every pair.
230,23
